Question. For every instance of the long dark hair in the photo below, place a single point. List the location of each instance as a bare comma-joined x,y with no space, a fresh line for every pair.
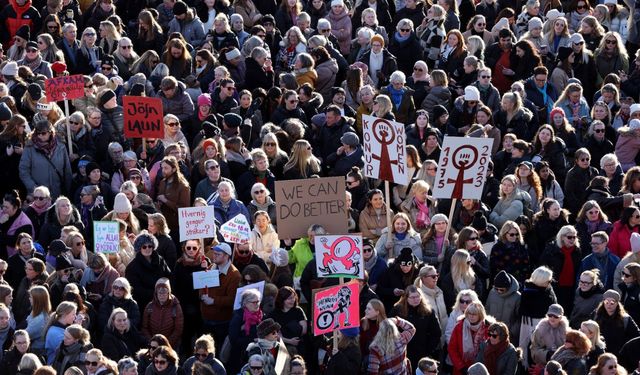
627,212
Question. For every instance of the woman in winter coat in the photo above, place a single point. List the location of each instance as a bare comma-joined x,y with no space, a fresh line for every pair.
546,225
503,302
514,117
340,21
549,335
434,245
14,223
243,327
164,362
401,97
547,147
159,228
497,353
413,307
402,236
271,348
591,219
572,355
460,277
373,219
510,254
261,200
64,316
401,273
163,315
403,45
620,237
12,141
466,337
420,207
389,348
630,290
73,349
346,357
432,34
628,144
120,297
439,93
12,356
427,283
146,268
373,264
226,206
452,55
592,330
61,214
263,238
22,308
327,69
45,161
121,338
173,192
617,327
537,296
511,203
587,297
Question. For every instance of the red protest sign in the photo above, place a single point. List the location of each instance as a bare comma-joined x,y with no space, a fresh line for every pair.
336,308
143,117
65,87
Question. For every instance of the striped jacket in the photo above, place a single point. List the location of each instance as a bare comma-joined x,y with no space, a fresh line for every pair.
395,362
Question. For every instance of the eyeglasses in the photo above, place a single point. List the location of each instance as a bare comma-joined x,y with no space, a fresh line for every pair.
584,282
571,237
485,77
125,47
161,362
464,301
406,264
67,270
91,363
191,248
581,7
624,274
553,316
598,130
579,43
636,216
596,243
269,144
230,88
173,124
117,287
40,198
512,234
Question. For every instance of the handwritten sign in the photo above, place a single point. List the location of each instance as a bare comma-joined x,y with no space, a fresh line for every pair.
462,169
206,279
339,256
236,230
385,150
143,117
300,203
196,222
106,235
336,308
65,87
257,286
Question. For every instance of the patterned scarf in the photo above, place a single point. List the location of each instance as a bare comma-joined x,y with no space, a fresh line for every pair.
492,353
33,64
46,147
472,336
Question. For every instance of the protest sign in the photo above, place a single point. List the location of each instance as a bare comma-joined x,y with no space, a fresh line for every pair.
143,117
106,236
206,279
236,230
385,150
257,286
196,222
339,256
300,203
336,308
65,87
462,169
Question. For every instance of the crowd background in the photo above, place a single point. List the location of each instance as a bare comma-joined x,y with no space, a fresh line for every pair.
542,275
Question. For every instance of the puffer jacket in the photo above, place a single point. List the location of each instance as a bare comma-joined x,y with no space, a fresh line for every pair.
327,72
509,208
411,240
37,169
166,319
506,307
13,16
584,304
439,95
191,28
546,339
520,123
179,105
620,23
341,29
627,148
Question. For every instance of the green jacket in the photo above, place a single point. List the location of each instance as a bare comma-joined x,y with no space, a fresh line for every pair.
300,254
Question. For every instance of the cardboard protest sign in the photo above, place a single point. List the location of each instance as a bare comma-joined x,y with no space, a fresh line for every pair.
236,230
65,87
300,203
257,286
106,235
143,117
206,279
385,150
339,256
196,222
462,169
336,308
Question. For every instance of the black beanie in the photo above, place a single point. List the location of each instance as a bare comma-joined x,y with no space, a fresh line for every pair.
438,111
180,8
406,255
106,96
502,280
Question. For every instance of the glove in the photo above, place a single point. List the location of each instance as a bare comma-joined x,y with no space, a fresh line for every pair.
9,150
207,300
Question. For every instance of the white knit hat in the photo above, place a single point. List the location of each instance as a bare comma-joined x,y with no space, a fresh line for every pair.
471,93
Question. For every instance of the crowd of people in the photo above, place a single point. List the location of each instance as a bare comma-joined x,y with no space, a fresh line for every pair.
540,276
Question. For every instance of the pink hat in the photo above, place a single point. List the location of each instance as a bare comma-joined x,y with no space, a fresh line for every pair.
204,99
556,111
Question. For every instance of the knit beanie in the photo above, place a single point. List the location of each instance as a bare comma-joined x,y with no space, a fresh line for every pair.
502,280
121,204
614,295
377,38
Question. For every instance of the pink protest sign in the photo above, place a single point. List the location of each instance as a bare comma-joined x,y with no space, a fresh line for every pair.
336,308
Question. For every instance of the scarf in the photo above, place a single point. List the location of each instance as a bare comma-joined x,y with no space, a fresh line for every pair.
33,64
439,238
265,206
4,334
401,38
492,353
472,335
251,319
601,261
240,260
234,156
396,95
46,147
38,210
545,97
422,217
567,275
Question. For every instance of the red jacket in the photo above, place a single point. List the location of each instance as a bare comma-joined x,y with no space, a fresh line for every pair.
13,16
166,319
620,239
455,347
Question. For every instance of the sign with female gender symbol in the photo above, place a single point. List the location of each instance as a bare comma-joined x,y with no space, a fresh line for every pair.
462,169
385,150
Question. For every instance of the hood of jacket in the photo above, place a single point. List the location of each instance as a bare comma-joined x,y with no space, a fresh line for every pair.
441,92
331,65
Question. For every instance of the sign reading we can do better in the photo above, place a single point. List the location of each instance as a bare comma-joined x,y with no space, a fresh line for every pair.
462,170
300,203
385,150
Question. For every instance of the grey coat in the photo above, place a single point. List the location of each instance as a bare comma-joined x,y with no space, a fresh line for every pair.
411,240
507,362
191,28
35,170
179,104
437,95
506,307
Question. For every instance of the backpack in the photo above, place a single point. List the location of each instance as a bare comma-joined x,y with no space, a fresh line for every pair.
526,208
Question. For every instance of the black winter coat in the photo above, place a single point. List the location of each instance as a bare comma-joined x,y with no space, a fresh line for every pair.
575,187
553,258
143,274
631,299
616,332
51,229
167,250
426,342
391,279
129,305
535,300
406,51
345,361
389,65
256,76
116,346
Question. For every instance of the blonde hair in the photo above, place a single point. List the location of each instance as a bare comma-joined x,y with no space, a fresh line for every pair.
386,338
384,105
593,327
541,276
565,230
461,272
299,159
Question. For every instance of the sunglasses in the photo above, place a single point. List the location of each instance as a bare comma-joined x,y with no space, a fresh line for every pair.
107,68
66,271
135,178
74,122
214,167
464,301
32,50
293,101
161,362
117,287
255,368
494,335
571,237
261,191
406,264
405,30
512,234
367,250
40,198
435,276
191,248
270,144
125,47
610,41
611,367
598,130
553,316
173,124
485,77
146,247
585,159
91,363
79,243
